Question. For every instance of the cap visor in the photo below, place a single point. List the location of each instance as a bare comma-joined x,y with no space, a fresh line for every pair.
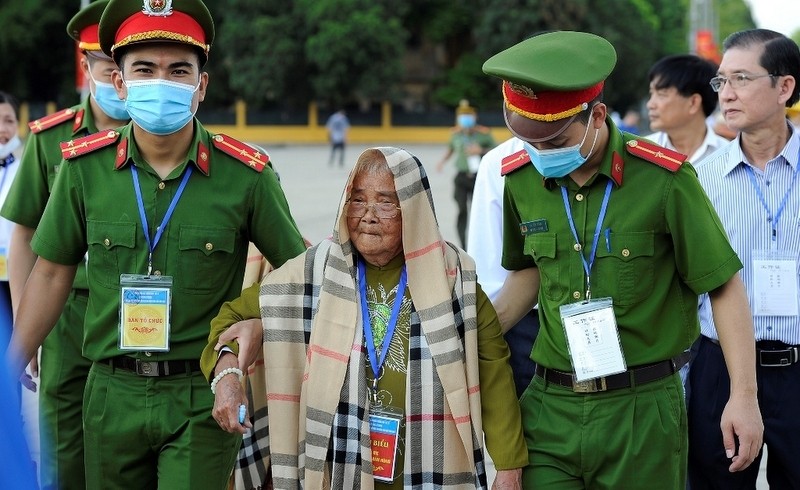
534,131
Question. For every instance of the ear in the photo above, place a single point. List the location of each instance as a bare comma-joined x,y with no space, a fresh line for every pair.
119,84
599,113
786,84
201,90
695,103
84,64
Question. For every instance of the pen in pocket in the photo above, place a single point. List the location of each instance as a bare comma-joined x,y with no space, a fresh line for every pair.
608,239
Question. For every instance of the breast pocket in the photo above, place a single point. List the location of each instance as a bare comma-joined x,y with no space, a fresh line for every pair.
543,248
111,251
625,264
206,253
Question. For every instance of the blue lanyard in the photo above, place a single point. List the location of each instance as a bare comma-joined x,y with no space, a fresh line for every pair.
374,361
151,245
772,219
587,265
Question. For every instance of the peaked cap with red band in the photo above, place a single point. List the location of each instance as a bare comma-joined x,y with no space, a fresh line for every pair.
128,22
549,79
83,27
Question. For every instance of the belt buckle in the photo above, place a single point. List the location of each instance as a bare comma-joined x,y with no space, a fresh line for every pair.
790,357
589,386
146,368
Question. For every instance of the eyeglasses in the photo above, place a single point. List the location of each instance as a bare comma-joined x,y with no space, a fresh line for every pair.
381,210
737,80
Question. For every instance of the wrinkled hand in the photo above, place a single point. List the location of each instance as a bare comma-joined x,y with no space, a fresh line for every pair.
229,396
249,335
742,418
508,480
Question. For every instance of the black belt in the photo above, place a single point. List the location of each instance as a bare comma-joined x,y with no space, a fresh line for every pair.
772,353
638,376
152,368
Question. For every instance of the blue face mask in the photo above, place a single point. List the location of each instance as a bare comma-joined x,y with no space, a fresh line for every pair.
559,162
466,121
160,106
106,97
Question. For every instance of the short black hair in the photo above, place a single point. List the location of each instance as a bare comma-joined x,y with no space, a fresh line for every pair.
689,75
6,98
781,55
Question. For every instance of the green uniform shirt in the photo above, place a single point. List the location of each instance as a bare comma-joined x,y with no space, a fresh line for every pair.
460,140
203,248
661,245
40,163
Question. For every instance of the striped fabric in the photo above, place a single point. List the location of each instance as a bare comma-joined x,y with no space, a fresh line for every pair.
725,179
314,359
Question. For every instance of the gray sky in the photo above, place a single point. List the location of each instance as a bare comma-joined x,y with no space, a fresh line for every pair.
779,15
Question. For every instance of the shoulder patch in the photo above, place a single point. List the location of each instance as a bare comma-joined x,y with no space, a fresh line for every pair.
241,151
653,153
52,120
87,144
514,161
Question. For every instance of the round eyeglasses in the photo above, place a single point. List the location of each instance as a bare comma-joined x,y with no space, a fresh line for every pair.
381,210
737,80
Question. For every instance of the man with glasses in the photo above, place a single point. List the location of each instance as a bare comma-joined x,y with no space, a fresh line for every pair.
615,238
752,182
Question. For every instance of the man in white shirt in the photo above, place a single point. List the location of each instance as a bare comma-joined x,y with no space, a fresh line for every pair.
680,101
485,245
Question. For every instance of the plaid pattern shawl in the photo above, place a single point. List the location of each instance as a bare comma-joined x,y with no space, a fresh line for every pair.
314,358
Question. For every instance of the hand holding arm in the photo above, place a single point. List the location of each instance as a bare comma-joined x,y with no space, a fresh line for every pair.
249,335
741,417
508,480
229,396
517,297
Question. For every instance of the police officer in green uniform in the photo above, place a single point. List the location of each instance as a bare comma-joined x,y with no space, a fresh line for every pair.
615,239
63,369
165,211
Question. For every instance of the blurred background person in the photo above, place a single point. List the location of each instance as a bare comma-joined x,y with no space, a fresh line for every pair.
469,142
337,126
630,122
10,149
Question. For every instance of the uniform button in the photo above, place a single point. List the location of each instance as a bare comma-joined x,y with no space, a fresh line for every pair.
625,252
156,273
161,186
106,242
577,247
209,246
579,197
148,354
576,295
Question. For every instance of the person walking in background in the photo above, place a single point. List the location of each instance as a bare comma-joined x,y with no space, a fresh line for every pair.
337,126
469,142
615,239
165,210
63,371
10,149
485,245
753,184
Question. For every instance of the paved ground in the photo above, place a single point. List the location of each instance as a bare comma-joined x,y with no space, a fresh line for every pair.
313,189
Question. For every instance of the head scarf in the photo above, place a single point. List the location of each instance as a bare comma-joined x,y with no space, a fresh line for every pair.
314,357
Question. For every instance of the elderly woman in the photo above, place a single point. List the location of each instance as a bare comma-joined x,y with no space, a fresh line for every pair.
384,360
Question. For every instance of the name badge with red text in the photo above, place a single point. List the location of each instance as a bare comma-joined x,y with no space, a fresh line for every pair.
144,314
384,428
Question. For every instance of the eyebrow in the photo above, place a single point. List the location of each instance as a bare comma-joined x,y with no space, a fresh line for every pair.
172,66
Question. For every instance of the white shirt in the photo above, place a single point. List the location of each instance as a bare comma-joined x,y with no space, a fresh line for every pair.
7,174
710,144
485,230
727,182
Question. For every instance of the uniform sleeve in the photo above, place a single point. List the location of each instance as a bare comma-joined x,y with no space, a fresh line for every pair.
502,422
272,226
514,257
61,234
703,254
30,191
242,308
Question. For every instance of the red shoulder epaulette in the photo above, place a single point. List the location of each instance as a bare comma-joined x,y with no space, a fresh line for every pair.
51,120
87,144
653,153
242,152
514,161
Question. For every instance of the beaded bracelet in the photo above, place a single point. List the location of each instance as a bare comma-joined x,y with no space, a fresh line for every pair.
222,374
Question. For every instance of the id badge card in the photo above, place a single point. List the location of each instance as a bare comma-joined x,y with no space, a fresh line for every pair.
144,314
384,430
593,338
775,290
3,264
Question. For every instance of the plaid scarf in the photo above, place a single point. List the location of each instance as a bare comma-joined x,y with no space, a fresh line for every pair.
314,360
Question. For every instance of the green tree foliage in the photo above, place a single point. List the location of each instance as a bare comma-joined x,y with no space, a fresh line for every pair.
734,15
